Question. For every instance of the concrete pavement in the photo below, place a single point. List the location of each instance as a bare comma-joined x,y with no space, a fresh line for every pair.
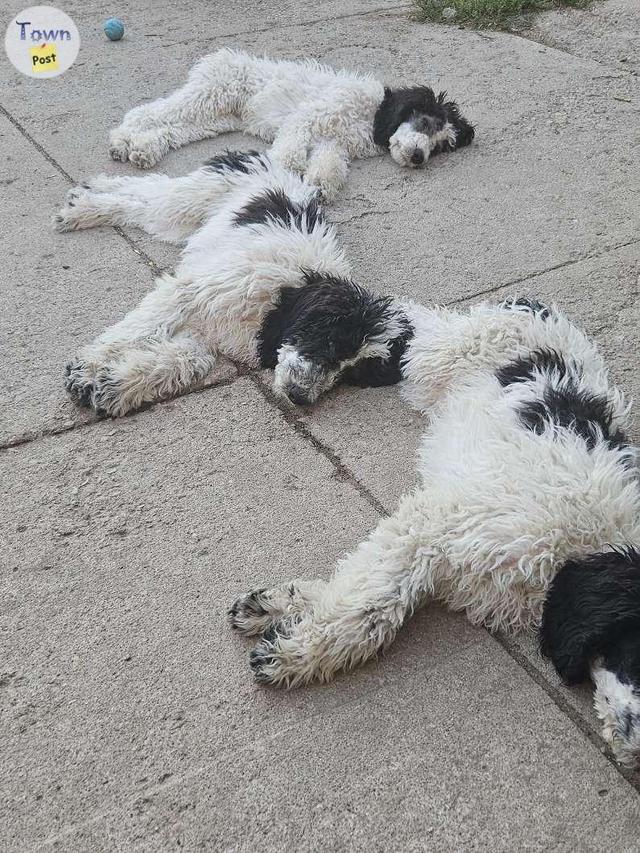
129,717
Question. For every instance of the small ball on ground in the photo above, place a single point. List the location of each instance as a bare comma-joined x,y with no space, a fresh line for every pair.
113,29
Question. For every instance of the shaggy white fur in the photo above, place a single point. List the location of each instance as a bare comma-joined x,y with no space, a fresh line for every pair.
510,488
317,118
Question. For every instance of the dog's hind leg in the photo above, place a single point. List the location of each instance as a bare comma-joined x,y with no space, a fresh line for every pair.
360,610
144,148
209,103
169,208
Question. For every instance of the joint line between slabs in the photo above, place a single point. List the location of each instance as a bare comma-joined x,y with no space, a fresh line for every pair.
554,268
632,777
72,181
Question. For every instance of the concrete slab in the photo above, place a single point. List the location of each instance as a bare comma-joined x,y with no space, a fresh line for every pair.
59,291
127,542
130,716
413,773
607,32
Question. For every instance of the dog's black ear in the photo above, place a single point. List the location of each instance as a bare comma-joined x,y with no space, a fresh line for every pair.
372,373
590,605
465,131
376,372
385,120
273,325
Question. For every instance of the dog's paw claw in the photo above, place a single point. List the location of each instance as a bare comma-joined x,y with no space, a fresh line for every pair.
262,658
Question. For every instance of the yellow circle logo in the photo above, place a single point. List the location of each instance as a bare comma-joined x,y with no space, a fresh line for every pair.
42,41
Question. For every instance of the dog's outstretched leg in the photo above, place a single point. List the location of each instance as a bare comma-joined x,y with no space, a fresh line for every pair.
256,611
207,105
151,354
291,144
360,610
156,369
448,347
169,208
327,168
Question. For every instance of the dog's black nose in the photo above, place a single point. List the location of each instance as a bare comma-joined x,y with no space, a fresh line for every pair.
417,157
297,396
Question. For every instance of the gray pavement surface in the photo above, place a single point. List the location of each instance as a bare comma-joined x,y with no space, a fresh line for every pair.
129,719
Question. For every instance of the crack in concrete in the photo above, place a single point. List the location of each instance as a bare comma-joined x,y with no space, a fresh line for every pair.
358,216
29,437
528,36
342,471
529,276
632,777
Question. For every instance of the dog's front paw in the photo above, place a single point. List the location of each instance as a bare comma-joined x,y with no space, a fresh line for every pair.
267,661
284,657
78,211
80,383
92,385
146,148
249,614
119,144
327,192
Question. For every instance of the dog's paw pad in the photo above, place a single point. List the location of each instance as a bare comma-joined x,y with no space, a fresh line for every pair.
248,614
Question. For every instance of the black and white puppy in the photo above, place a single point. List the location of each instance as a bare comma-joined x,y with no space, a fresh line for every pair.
262,280
316,118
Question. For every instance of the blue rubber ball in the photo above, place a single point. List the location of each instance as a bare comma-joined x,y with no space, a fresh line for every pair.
114,29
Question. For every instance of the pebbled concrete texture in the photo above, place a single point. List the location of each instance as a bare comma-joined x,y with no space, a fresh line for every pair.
129,715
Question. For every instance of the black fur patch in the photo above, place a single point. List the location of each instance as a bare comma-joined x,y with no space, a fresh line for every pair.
538,361
377,372
592,609
234,161
588,415
532,305
328,320
276,206
421,105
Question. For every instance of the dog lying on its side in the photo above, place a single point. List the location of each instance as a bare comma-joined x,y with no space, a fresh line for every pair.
262,280
529,492
318,119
